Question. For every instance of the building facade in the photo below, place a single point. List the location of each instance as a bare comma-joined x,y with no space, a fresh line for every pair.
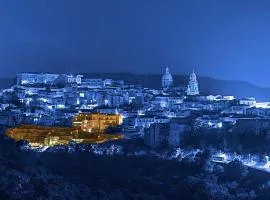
96,122
157,135
193,88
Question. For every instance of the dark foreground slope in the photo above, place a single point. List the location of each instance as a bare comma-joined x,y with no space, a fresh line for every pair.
206,85
83,175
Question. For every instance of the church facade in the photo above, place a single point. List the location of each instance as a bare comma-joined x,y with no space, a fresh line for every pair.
193,88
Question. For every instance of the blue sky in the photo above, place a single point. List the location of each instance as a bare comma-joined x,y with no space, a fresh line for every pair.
220,39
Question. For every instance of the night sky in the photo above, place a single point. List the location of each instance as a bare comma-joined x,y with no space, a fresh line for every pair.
220,39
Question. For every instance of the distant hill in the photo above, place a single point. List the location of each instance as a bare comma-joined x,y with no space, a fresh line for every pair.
206,85
6,82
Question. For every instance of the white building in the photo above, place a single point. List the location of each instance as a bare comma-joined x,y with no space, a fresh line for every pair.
35,78
74,79
145,121
248,101
92,83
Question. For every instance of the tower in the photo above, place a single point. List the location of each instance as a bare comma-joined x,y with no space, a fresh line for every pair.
167,80
192,88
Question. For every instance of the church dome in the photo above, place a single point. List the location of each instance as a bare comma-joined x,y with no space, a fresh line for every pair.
167,79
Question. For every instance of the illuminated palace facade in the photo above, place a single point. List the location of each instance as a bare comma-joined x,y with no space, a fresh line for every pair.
87,128
96,122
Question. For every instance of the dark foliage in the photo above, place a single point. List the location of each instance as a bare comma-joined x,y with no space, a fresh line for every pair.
83,175
114,129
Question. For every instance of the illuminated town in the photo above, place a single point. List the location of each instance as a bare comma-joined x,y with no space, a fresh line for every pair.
56,109
116,119
50,110
134,100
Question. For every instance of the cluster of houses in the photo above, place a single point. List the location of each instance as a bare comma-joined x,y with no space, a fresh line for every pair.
161,116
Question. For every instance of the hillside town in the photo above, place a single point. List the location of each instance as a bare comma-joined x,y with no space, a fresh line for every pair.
161,117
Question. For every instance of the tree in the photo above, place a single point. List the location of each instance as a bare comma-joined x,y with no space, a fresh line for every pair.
114,129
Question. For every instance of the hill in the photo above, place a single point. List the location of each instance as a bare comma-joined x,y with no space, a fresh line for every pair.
6,82
206,85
